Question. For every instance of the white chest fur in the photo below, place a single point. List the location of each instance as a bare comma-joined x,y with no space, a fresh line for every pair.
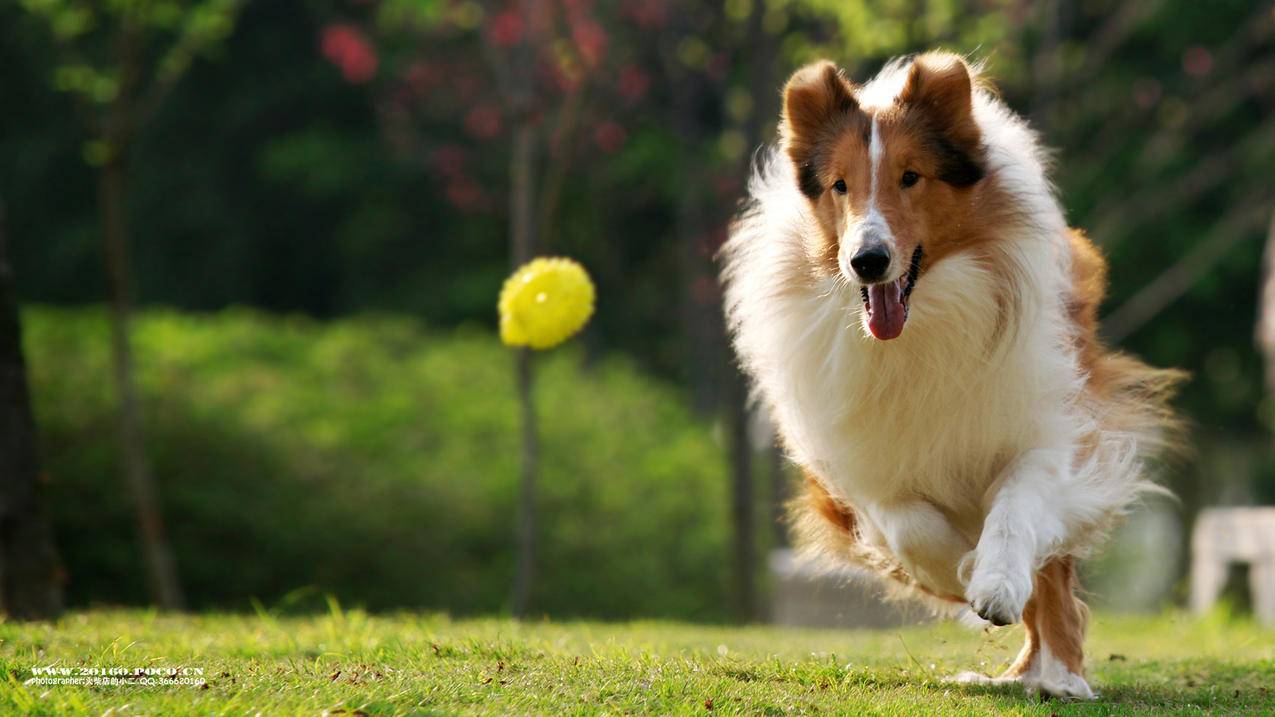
936,413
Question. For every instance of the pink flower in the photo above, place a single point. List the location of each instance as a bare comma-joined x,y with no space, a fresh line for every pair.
465,194
483,122
1197,61
633,83
590,39
648,14
1146,92
609,136
449,159
421,76
347,47
506,28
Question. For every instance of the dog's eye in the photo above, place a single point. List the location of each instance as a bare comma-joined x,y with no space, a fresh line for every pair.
840,186
909,178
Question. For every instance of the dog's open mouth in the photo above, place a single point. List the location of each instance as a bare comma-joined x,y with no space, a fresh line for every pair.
886,304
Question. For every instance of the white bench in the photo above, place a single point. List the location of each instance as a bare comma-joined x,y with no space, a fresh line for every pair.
1224,536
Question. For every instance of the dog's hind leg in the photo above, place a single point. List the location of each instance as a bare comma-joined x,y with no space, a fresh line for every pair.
1052,658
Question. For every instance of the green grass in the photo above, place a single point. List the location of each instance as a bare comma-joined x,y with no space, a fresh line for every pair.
348,662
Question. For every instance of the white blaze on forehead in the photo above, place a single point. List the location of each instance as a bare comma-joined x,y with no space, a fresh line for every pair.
875,220
875,148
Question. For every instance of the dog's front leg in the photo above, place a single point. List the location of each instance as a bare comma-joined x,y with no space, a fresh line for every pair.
1026,521
923,540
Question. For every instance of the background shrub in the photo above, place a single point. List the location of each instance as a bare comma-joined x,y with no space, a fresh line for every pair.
376,460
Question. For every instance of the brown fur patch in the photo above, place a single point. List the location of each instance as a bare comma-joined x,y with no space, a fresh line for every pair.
937,100
1055,617
819,107
836,512
1129,395
825,525
824,134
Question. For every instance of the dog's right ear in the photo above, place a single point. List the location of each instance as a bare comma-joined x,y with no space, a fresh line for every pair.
818,100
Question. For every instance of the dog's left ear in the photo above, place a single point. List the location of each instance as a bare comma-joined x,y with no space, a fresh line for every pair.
940,95
818,102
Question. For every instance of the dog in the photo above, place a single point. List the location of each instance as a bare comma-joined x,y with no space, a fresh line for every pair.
919,320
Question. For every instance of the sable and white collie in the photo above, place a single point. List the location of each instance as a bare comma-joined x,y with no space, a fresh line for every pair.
904,291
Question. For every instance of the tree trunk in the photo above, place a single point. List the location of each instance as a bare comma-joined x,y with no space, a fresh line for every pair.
779,481
522,248
160,566
1265,331
762,85
30,588
743,501
528,464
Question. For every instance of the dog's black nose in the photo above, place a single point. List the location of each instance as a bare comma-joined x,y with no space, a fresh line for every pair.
871,262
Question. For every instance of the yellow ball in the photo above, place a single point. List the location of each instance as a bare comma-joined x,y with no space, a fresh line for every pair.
545,303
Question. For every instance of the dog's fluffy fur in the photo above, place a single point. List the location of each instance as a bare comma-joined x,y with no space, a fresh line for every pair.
972,457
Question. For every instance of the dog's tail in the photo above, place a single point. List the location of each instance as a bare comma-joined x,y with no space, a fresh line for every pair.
1129,397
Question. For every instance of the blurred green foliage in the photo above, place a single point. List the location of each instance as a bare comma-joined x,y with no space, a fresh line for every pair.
375,460
343,157
269,179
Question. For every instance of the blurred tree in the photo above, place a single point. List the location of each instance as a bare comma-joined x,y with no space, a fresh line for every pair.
30,585
540,56
1265,330
515,56
676,95
376,459
350,157
119,61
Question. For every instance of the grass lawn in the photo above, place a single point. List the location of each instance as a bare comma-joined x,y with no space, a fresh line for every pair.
348,662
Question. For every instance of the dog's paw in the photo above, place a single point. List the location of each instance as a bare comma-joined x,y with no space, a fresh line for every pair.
1063,686
998,595
972,678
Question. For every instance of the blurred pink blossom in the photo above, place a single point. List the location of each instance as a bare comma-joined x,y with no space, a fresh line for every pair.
633,83
465,194
421,76
483,122
506,28
609,136
449,159
347,47
590,39
1146,92
648,14
560,72
1197,61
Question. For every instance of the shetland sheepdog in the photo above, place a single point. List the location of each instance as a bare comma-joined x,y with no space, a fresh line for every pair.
914,312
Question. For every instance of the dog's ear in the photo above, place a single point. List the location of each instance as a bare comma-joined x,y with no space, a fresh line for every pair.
818,100
939,96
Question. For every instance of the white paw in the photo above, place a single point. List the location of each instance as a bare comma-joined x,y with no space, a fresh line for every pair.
998,594
1064,686
1067,686
973,678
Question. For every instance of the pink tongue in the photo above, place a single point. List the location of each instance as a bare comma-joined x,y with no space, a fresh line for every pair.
885,311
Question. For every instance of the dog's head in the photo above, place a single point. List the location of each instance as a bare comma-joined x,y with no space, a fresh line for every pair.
890,186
